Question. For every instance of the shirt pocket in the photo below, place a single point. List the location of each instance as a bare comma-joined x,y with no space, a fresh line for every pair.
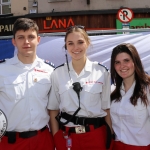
63,89
41,85
65,98
141,113
15,87
129,115
93,93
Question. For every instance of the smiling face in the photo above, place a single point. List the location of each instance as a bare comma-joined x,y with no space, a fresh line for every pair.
26,43
124,66
76,46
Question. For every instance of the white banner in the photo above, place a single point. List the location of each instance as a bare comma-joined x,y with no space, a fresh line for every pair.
51,48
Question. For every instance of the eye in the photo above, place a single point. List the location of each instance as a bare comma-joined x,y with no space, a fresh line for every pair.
70,43
81,42
20,37
116,62
31,36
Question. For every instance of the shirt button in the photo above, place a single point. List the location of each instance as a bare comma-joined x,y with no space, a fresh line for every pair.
32,122
31,109
35,80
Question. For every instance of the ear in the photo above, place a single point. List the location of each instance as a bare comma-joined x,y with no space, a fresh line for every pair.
13,41
38,39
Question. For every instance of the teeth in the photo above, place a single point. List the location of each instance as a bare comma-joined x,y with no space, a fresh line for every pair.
76,52
123,70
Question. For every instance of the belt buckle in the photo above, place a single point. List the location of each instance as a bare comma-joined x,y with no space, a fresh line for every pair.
80,129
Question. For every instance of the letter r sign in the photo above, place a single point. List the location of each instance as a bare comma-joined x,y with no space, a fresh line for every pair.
125,15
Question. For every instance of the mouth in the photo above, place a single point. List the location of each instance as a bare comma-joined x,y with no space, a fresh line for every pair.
76,52
125,70
26,47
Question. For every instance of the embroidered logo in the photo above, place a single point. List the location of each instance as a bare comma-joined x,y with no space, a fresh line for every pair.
93,82
37,70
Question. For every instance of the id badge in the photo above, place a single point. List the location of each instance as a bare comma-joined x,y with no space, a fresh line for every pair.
68,142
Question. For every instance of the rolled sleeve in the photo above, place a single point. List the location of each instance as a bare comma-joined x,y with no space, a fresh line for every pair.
106,91
54,99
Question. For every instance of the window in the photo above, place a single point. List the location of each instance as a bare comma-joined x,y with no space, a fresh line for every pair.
5,7
5,1
58,1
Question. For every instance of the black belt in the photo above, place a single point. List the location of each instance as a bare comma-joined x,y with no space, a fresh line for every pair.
97,122
84,121
78,129
27,134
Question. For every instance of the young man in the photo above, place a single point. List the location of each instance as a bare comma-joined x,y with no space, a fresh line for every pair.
24,89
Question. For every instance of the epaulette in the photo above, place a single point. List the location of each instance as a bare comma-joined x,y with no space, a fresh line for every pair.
3,60
49,63
103,66
59,66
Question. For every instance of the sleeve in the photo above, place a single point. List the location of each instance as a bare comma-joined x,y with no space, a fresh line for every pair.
54,98
106,91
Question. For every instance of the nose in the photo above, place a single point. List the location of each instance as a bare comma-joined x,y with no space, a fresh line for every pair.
26,40
122,64
76,46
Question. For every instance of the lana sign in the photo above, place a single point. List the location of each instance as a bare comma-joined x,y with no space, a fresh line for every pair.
125,15
57,24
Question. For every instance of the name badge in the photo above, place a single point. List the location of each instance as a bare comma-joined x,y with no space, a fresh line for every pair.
68,142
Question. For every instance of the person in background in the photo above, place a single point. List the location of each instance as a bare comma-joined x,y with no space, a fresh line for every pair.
24,89
130,107
80,98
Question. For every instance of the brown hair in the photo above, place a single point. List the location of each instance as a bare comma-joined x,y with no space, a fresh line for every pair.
142,79
77,29
25,24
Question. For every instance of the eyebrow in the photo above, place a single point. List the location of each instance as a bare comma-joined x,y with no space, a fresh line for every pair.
77,40
123,59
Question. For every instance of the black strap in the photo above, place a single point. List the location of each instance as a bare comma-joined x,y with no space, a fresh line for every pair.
11,137
108,136
58,117
99,121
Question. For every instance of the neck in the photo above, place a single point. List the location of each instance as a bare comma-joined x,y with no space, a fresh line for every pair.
27,60
128,83
78,65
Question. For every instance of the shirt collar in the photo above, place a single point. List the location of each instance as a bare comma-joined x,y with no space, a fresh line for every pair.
129,91
15,60
87,67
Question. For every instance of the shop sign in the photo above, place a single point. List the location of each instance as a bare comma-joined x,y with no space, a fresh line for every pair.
136,23
53,24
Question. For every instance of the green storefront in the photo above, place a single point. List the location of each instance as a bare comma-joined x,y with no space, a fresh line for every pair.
137,23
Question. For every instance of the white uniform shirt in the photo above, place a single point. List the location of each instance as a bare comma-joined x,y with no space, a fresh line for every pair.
94,97
130,123
24,93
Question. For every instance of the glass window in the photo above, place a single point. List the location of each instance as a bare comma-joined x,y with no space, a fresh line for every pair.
5,1
6,9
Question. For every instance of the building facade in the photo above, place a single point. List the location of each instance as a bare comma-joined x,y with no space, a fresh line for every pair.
56,15
23,7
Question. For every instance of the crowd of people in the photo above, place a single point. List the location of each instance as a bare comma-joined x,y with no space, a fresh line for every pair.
79,105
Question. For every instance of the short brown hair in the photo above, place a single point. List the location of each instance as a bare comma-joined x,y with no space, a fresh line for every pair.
25,24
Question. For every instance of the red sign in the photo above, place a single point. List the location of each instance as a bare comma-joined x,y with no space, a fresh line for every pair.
125,15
